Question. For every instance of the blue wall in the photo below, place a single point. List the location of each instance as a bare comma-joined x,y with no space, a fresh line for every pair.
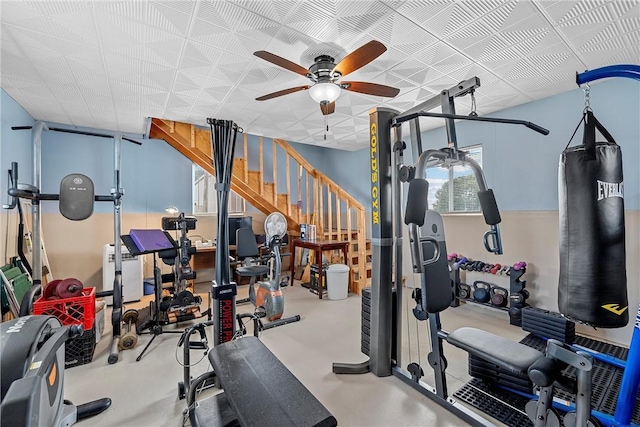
350,170
153,175
15,145
521,165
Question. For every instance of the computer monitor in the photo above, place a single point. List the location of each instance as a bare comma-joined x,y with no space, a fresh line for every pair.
236,222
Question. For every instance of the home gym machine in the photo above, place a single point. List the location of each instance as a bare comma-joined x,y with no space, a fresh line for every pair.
182,304
75,203
32,358
426,251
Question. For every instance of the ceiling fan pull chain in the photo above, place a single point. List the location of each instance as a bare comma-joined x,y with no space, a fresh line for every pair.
326,126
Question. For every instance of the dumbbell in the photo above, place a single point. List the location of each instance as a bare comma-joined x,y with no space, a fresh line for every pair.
464,290
519,297
474,265
129,339
481,291
499,296
519,265
452,256
460,263
495,268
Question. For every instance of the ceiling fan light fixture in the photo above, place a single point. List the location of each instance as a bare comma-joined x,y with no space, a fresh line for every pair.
324,92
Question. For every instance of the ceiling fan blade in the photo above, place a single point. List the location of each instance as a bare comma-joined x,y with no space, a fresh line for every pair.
370,88
282,92
360,57
328,108
281,62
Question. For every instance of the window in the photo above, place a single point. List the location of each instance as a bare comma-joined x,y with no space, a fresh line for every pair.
455,189
205,199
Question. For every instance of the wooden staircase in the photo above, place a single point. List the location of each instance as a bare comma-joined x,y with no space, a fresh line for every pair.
335,213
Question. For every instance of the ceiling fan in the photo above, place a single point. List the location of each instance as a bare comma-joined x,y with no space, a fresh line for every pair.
326,74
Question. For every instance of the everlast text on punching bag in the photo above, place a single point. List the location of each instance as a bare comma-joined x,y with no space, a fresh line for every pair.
593,282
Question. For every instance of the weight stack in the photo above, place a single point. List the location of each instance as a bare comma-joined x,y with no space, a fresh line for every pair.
548,324
366,319
487,371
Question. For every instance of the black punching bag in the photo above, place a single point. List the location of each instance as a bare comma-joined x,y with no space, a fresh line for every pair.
593,281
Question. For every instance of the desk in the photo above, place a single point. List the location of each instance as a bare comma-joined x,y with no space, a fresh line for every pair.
204,258
318,246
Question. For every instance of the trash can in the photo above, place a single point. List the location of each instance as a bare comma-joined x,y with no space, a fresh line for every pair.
337,281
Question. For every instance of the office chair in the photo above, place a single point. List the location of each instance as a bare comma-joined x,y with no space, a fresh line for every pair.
247,251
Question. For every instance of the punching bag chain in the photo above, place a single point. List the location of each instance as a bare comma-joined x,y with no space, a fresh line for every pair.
587,101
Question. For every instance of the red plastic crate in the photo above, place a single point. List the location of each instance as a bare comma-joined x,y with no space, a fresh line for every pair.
79,310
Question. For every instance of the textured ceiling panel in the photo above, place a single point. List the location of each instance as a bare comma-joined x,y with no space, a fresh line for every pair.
111,64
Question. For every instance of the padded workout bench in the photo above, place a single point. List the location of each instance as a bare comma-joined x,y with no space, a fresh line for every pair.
501,351
259,389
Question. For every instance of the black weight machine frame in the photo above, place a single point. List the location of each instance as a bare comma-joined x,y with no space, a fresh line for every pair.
32,192
384,357
182,270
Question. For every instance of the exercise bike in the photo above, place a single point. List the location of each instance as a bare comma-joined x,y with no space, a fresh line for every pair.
266,295
33,374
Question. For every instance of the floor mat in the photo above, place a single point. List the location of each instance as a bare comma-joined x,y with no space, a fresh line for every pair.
509,408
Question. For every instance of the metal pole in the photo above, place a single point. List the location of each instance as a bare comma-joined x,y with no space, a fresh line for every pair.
630,379
36,133
398,151
116,313
460,89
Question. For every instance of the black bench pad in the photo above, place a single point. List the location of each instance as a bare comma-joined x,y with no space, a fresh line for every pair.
215,411
503,352
261,390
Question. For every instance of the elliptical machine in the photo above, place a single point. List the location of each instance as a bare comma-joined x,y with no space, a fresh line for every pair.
266,295
33,374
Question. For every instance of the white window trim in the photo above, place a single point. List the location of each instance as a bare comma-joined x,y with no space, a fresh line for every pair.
234,198
450,184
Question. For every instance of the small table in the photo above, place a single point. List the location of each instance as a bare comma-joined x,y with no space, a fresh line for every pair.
318,246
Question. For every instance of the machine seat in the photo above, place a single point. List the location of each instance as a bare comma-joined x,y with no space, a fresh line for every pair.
253,270
503,352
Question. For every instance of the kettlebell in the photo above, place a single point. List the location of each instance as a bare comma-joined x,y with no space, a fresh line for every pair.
499,296
464,290
481,291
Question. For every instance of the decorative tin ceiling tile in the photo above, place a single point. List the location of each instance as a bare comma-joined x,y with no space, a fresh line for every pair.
112,64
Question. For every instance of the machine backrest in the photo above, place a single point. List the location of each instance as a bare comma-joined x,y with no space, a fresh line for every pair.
437,286
246,245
